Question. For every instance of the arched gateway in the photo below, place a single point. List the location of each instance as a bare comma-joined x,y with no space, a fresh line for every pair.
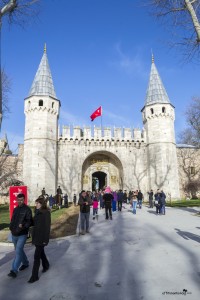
100,169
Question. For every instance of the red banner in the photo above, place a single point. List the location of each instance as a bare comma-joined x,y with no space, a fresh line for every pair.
13,192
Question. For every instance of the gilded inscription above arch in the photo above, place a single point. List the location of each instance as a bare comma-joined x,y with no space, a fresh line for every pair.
99,161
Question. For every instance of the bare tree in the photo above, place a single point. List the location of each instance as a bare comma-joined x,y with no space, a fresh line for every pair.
191,135
184,18
16,11
6,90
189,170
10,168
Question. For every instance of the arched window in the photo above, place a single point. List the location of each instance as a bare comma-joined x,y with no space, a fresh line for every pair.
29,104
52,104
152,111
163,109
40,102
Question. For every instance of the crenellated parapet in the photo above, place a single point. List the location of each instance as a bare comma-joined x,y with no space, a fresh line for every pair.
105,133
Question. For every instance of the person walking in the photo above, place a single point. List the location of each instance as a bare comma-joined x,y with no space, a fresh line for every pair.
108,197
157,201
140,198
19,227
114,201
134,203
163,202
84,202
74,199
95,205
119,200
66,204
59,197
150,193
40,237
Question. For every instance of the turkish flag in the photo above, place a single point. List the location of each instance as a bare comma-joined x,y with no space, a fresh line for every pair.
96,113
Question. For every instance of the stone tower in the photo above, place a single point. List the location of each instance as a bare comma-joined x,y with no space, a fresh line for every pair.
41,133
158,119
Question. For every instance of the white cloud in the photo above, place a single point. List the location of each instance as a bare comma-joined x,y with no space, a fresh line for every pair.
116,118
68,118
130,64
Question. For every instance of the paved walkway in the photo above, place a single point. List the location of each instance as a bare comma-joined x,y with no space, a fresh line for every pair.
132,257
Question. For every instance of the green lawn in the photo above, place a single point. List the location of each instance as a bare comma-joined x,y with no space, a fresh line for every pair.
5,216
184,203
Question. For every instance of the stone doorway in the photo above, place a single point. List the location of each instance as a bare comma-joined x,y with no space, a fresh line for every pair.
99,180
103,168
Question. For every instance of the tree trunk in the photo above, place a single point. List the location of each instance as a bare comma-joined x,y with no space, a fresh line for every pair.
194,18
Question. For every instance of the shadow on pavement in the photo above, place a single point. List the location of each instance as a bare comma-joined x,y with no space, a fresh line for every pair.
188,235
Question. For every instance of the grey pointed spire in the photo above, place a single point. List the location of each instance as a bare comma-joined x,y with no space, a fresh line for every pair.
156,92
43,84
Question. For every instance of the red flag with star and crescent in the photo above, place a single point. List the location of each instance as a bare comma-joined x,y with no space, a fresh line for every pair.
96,113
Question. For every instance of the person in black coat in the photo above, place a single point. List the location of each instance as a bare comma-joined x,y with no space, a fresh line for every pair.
107,198
40,237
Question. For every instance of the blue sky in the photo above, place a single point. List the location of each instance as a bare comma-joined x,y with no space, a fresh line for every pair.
99,53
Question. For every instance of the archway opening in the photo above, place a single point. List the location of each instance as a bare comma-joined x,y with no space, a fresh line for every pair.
99,180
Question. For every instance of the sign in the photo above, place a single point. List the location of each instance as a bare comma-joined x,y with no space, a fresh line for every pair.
13,192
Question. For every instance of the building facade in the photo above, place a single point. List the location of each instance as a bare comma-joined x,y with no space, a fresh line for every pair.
87,158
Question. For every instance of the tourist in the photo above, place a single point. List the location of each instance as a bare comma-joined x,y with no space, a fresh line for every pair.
108,197
125,197
84,202
163,202
95,205
100,198
150,193
66,204
157,201
40,237
19,227
119,200
59,197
51,201
74,199
114,201
134,203
140,198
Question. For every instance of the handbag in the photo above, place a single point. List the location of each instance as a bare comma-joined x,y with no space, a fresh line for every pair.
156,202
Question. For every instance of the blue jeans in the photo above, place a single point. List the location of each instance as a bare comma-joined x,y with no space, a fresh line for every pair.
140,203
85,220
134,206
163,209
20,256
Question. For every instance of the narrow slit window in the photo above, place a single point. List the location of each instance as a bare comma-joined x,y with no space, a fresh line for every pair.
40,102
152,112
163,109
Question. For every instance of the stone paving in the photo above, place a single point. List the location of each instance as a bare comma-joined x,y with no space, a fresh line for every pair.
143,256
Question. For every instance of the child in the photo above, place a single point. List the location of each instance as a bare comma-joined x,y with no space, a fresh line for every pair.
95,207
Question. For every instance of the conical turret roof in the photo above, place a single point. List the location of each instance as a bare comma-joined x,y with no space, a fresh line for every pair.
156,92
43,83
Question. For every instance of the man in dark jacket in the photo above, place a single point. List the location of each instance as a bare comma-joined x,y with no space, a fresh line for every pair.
19,226
140,198
107,198
84,202
120,200
150,193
